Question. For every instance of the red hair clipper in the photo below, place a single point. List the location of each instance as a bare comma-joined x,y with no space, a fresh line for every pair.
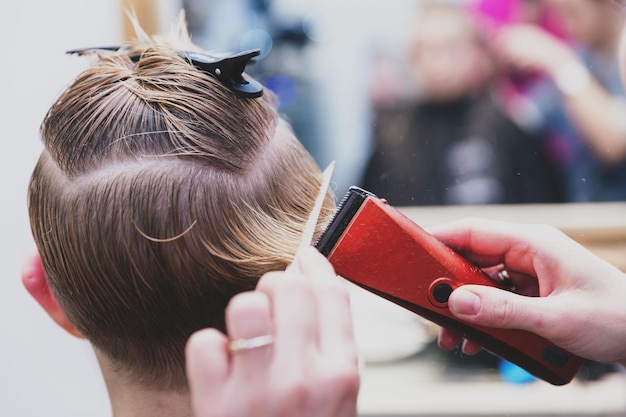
380,249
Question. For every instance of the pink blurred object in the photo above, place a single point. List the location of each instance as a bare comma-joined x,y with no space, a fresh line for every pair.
512,86
491,15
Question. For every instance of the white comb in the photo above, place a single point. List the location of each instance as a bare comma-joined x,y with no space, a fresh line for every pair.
311,224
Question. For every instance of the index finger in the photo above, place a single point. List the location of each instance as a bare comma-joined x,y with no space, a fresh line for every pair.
335,316
490,242
294,313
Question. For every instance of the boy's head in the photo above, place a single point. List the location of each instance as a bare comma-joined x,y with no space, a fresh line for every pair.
159,195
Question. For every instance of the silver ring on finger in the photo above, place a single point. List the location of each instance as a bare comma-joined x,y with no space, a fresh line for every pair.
505,279
242,345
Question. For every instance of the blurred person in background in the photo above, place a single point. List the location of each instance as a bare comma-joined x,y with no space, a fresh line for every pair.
451,144
573,94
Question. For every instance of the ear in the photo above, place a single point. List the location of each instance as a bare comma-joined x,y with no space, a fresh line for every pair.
35,281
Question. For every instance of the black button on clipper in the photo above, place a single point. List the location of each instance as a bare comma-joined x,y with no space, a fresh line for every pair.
441,293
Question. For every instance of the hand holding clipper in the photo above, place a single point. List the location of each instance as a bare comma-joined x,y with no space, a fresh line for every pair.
378,248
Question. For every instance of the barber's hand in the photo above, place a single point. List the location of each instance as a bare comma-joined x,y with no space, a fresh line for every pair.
309,370
570,296
530,48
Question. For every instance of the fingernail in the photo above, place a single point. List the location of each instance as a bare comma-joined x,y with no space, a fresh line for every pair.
306,256
465,302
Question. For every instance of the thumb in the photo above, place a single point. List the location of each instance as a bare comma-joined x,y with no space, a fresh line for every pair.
493,307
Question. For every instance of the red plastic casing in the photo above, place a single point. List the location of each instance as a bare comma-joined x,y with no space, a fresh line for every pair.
386,253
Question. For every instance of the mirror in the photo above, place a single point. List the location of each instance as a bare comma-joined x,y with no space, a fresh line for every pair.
432,106
442,109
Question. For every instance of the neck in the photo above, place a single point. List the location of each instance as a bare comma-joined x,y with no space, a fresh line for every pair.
138,402
130,399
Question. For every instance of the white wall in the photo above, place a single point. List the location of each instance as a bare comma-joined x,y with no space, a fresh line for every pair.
43,371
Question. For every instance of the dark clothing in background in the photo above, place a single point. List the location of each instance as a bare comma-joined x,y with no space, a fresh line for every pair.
465,152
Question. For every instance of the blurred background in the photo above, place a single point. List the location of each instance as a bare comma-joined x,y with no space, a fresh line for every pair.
413,101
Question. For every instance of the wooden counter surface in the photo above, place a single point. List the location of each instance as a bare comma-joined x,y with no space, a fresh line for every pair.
601,227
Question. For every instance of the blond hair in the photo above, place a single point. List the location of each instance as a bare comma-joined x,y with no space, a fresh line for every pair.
159,195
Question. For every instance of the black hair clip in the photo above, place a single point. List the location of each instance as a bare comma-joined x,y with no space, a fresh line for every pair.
227,68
